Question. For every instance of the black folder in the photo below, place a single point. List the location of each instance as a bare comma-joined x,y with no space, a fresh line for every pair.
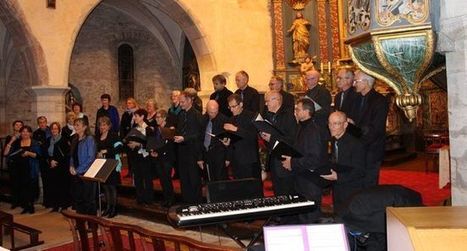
167,133
280,148
100,170
263,125
314,176
134,135
354,130
227,134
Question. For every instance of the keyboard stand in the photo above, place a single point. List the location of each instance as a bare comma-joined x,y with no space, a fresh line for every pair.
256,236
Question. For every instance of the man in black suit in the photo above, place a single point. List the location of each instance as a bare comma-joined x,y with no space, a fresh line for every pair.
277,84
369,115
320,95
310,143
214,151
243,154
346,96
248,94
42,135
221,93
284,120
188,138
347,161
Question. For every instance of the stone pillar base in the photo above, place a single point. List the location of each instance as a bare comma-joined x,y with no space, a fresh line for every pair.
50,102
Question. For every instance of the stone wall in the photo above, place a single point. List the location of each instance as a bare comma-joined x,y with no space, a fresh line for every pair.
94,65
452,42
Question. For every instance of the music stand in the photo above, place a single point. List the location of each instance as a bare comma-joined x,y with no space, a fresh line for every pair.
99,171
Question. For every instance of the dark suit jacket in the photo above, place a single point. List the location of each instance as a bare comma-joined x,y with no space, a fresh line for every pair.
371,120
309,142
221,98
288,100
321,96
245,150
350,168
284,120
349,99
250,99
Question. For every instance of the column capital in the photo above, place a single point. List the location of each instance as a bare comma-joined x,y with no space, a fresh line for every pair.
50,90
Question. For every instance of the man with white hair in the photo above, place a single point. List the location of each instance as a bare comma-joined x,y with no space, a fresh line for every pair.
369,115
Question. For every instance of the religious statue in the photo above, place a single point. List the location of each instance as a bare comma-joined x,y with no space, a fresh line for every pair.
307,65
300,37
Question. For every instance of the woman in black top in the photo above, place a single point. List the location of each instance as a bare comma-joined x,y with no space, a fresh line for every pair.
17,124
164,155
24,154
58,152
109,146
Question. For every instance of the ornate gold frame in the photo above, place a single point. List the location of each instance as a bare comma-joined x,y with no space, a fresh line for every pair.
409,18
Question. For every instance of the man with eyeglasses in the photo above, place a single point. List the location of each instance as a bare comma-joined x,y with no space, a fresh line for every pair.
369,114
346,96
277,84
284,120
347,161
243,154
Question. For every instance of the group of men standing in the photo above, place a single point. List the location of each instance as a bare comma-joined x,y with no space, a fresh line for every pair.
341,146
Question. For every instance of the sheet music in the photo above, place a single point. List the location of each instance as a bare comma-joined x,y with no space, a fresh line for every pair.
322,237
94,168
317,106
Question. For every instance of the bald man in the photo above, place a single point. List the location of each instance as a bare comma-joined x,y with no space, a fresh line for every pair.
283,119
369,114
214,151
348,161
320,95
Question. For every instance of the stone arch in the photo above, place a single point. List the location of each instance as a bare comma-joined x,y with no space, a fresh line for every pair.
24,42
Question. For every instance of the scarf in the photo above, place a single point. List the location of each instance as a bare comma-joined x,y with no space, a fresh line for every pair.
53,140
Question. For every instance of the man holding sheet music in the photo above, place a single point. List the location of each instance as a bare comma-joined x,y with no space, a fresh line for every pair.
347,162
306,169
214,151
243,154
282,119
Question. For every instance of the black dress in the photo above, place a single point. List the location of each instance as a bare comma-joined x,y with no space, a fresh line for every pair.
59,176
110,143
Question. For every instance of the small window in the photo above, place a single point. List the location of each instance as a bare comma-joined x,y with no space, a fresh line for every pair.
125,72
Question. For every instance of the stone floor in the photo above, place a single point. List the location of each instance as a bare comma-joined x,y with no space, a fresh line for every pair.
56,231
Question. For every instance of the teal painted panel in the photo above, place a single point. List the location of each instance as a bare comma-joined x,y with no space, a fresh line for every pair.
405,55
366,55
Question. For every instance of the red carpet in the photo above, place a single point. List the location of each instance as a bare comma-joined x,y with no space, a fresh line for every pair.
424,183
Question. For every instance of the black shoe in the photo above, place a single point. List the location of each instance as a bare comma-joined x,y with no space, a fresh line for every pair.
13,206
25,211
55,209
31,210
106,212
112,214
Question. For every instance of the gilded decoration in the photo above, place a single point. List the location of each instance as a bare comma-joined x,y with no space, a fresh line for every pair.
298,4
336,50
278,35
390,11
322,30
359,17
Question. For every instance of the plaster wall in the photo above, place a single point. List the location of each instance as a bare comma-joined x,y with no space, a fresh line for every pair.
453,42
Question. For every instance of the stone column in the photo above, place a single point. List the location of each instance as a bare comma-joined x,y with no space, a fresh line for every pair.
452,41
50,102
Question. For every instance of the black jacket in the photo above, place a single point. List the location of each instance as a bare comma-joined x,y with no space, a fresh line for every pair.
250,99
371,120
221,98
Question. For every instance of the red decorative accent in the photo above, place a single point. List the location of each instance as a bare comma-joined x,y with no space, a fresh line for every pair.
279,51
322,31
334,9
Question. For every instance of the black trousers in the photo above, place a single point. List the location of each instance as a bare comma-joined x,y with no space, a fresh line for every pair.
85,196
215,160
143,179
164,171
190,174
250,170
310,191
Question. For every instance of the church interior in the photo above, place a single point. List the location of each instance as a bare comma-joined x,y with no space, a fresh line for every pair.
56,53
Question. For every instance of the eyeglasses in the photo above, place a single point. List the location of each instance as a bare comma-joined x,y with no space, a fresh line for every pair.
358,80
233,106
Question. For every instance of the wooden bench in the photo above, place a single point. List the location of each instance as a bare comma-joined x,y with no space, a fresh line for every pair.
7,224
95,233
